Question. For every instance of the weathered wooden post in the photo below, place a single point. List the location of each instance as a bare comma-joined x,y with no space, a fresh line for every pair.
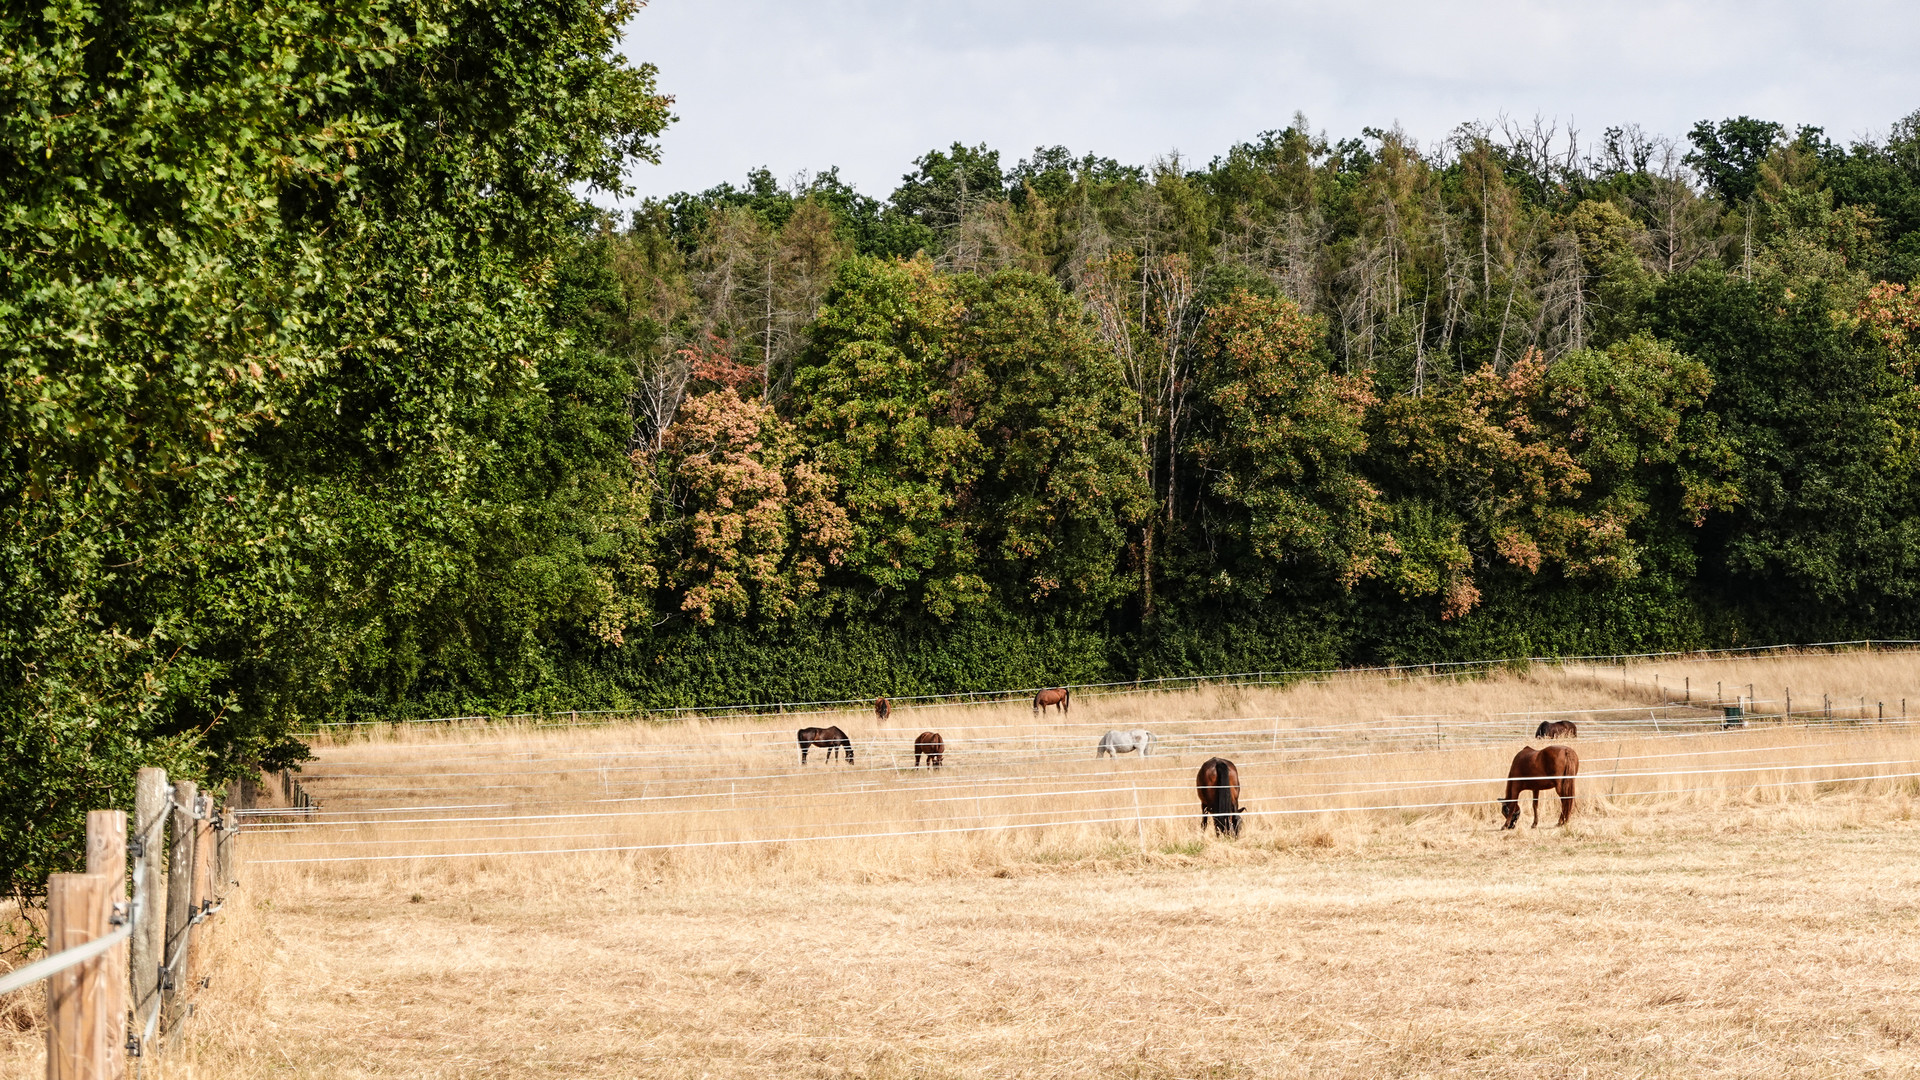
203,842
150,798
84,1001
107,857
223,852
179,900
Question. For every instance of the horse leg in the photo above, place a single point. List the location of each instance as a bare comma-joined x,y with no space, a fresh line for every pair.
1566,801
1536,808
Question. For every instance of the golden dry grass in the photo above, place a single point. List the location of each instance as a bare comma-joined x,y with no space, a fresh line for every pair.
1726,903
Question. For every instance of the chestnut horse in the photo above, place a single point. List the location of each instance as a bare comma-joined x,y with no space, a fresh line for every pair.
1551,769
882,708
928,744
1219,784
830,739
1056,696
1556,729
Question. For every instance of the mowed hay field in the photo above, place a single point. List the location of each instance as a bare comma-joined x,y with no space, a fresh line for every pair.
687,900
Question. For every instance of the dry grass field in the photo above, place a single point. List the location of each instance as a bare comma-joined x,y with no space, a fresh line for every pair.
687,900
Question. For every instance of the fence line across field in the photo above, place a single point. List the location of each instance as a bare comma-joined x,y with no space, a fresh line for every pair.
785,734
1028,743
974,785
1770,767
933,782
1248,806
1612,718
1324,788
1008,743
322,816
1052,814
964,830
1437,669
784,737
899,762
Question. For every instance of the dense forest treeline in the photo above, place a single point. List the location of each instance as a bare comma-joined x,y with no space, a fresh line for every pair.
1315,402
329,397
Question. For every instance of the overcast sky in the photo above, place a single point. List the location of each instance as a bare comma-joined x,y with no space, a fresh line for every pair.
869,85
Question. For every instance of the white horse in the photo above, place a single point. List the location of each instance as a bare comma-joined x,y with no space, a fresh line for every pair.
1125,742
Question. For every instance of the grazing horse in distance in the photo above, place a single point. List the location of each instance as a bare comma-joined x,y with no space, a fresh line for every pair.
882,708
1057,696
1125,742
1219,784
830,739
929,745
1556,729
1551,769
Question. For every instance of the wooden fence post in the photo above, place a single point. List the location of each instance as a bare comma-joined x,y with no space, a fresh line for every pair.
84,1000
223,852
203,841
107,857
150,936
179,898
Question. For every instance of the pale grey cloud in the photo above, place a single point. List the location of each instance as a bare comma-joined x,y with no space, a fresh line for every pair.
869,85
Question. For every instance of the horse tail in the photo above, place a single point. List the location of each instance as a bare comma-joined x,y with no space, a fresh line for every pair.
1066,700
1234,809
1036,700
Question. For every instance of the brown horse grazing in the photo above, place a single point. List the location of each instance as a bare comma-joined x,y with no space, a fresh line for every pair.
1056,696
928,744
1219,784
1551,769
882,708
830,739
1556,729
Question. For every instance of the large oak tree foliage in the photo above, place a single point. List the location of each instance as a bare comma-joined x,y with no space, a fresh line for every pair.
272,278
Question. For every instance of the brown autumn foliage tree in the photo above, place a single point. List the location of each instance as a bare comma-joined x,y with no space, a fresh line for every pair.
758,524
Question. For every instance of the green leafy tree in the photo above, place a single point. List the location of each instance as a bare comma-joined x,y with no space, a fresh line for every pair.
979,433
1728,154
1820,412
269,275
1587,468
1281,442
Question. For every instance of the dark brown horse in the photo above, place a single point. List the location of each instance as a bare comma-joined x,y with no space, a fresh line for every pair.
882,708
1551,769
1556,729
1056,696
929,745
1219,784
830,739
